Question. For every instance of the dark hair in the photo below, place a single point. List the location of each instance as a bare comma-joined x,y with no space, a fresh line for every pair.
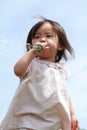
61,35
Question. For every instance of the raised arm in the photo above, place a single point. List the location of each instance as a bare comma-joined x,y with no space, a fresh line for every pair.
21,66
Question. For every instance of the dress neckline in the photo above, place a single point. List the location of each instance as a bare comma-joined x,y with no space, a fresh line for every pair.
59,65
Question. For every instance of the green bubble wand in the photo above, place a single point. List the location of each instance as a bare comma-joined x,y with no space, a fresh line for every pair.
38,47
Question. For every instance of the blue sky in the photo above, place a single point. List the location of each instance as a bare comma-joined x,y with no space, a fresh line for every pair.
16,19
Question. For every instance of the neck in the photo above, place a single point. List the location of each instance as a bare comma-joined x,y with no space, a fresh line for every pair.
47,59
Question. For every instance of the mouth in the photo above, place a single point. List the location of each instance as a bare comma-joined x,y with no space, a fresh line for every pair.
46,48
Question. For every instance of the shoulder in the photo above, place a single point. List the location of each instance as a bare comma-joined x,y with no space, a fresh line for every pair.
65,70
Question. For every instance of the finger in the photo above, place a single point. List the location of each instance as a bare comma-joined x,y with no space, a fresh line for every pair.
73,126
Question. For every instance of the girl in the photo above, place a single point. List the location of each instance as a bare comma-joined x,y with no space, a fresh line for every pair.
41,101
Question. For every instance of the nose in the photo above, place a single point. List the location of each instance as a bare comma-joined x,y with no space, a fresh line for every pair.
42,39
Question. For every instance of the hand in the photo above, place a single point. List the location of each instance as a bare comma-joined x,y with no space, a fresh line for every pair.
74,122
41,53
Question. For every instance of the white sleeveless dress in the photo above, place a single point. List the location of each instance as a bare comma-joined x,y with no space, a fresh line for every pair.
41,100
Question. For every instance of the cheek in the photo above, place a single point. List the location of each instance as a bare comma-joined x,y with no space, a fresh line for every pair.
54,49
54,45
33,42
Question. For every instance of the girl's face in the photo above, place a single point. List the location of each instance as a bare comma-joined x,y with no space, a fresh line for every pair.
48,39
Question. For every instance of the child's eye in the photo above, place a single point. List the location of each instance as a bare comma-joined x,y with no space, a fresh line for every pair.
36,36
49,35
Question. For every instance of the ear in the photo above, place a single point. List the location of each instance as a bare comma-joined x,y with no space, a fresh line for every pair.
60,48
